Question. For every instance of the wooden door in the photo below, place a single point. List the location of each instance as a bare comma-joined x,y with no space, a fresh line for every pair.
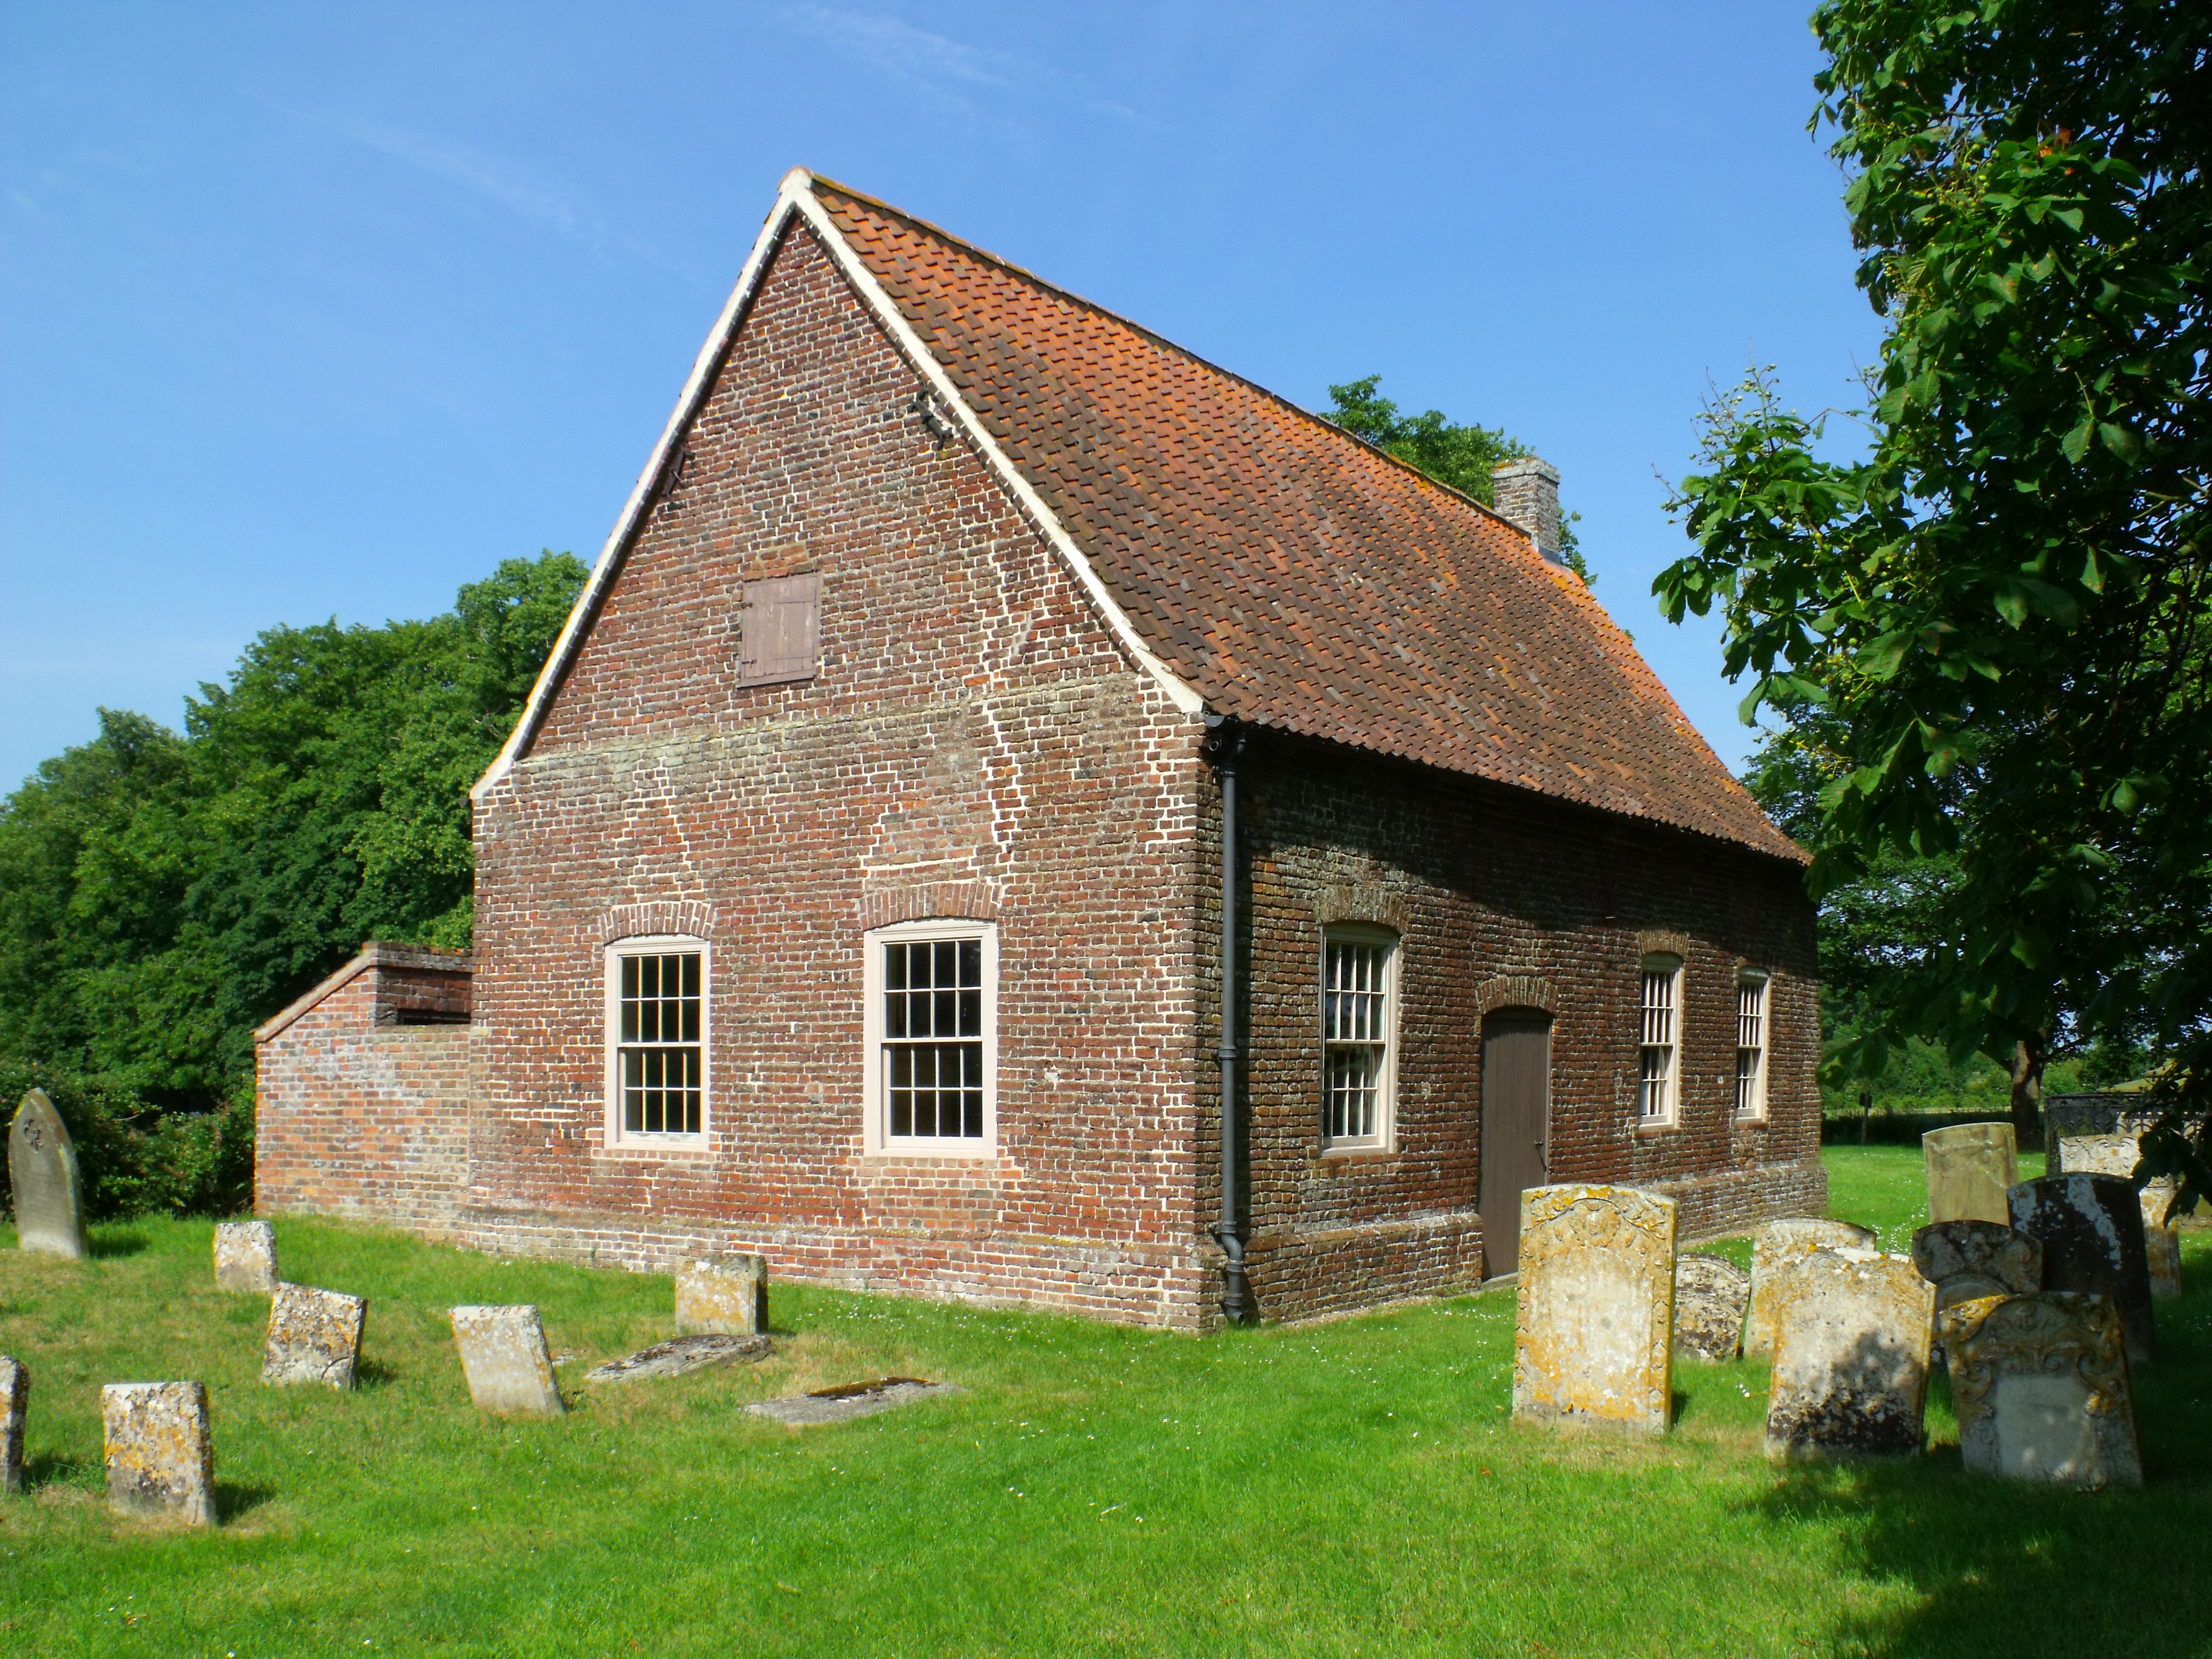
1517,1110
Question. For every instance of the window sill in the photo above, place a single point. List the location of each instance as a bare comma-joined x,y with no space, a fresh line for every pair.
1357,1154
1654,1131
1751,1120
944,1152
691,1146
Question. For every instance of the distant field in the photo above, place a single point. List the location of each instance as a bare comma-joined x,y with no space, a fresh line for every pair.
1349,1487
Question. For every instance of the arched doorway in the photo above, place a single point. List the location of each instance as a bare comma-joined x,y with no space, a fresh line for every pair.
1517,1112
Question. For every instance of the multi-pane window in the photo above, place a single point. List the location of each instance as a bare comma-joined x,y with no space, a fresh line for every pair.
933,1049
1658,1040
660,1034
1751,1046
1356,1029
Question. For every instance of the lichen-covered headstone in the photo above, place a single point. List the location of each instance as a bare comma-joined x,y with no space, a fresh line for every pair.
504,1357
723,1296
161,1454
245,1256
14,1403
1970,1166
2162,1244
314,1336
1775,1248
43,1176
1594,1340
2040,1384
1850,1358
2090,1228
1965,1261
1711,1298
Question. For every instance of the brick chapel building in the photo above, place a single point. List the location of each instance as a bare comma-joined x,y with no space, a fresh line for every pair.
852,888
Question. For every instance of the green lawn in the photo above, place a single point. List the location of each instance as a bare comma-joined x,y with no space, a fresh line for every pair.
1343,1488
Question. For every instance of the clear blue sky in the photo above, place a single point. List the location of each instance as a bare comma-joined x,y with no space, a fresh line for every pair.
317,311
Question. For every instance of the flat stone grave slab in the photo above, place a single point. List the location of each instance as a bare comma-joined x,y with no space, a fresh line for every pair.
505,1358
160,1452
14,1399
685,1353
1779,1245
850,1399
1711,1296
1970,1166
722,1295
2040,1384
2090,1226
246,1257
314,1336
1594,1331
42,1174
1850,1358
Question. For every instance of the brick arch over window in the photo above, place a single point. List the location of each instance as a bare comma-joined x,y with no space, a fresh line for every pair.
966,901
1360,900
1515,991
683,918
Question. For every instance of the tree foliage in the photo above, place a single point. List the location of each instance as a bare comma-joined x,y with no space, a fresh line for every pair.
2001,607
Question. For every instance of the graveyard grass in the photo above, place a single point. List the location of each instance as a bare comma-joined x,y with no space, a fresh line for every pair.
1347,1487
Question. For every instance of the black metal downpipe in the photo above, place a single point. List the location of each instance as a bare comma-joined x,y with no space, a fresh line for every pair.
1226,745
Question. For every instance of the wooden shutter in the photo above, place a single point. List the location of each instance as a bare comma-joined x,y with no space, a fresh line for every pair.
782,629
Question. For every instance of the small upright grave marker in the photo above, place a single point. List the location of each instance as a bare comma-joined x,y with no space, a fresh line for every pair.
246,1257
160,1456
2040,1383
1850,1358
1778,1247
1593,1339
1711,1298
2161,1244
314,1336
1971,1166
15,1401
722,1296
504,1357
2091,1227
43,1176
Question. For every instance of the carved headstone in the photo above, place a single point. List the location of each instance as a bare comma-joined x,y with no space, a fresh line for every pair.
1778,1247
161,1455
1711,1298
2041,1385
2162,1244
1851,1359
2091,1227
314,1336
1965,1261
245,1256
1594,1337
722,1296
504,1357
15,1401
1970,1167
42,1173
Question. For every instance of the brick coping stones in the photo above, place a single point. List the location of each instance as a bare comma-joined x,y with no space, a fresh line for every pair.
160,1452
1711,1296
314,1336
14,1403
43,1177
722,1295
1850,1359
2041,1387
1775,1248
2091,1227
504,1357
849,1400
246,1257
685,1353
1970,1167
1593,1338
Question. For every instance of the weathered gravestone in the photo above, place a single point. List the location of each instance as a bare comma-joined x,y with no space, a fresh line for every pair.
2162,1244
1971,1167
1778,1247
160,1456
849,1400
2041,1385
1850,1358
1711,1298
14,1403
43,1176
1965,1261
1594,1340
722,1296
505,1358
2090,1228
314,1336
678,1357
245,1256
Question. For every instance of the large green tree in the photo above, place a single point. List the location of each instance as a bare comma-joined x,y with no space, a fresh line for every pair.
2002,602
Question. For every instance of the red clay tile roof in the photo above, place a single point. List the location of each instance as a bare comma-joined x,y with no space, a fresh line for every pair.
1293,576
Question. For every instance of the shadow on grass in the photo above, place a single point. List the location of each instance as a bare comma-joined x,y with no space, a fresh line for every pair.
232,1501
369,1374
57,1469
109,1243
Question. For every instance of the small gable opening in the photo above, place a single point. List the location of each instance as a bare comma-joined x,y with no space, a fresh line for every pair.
782,629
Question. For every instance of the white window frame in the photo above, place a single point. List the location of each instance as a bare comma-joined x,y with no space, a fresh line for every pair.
877,1141
1385,1135
1751,978
1668,1111
657,944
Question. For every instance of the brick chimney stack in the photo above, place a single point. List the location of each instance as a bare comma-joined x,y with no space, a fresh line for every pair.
1527,496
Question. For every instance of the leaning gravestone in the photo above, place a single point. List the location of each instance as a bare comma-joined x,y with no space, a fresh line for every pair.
14,1399
722,1296
2091,1227
1711,1298
1850,1358
504,1357
2041,1385
43,1176
314,1336
245,1256
1594,1340
1778,1247
1965,1261
160,1456
1970,1167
